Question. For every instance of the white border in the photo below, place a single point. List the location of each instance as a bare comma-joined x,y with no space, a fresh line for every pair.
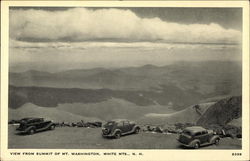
148,154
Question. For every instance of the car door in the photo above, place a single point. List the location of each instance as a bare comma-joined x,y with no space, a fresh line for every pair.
202,136
130,126
197,135
126,126
37,124
44,123
120,126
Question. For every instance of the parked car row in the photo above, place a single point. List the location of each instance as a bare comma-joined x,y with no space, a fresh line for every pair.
194,136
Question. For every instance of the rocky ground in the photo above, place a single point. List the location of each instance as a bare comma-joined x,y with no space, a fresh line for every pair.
90,138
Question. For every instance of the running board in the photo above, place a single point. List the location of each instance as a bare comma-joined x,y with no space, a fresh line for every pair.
130,132
45,128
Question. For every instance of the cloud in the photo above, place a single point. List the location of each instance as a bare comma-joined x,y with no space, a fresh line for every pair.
100,45
81,24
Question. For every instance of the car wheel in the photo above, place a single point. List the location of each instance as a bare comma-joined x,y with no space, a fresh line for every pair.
137,130
196,145
32,131
216,141
117,135
52,127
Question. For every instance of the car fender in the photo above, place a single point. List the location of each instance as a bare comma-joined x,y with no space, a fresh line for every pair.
52,124
48,126
191,144
116,130
213,138
136,126
31,127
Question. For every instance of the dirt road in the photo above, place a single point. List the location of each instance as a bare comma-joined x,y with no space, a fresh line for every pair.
89,138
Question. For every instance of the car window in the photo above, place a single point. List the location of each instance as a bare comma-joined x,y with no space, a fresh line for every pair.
31,121
187,132
120,124
110,123
198,133
132,122
204,132
36,120
126,123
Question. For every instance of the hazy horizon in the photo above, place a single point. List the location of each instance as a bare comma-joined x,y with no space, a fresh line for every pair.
25,68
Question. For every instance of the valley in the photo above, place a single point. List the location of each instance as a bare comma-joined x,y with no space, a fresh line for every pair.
170,97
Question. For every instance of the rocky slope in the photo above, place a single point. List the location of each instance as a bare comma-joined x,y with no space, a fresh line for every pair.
213,113
222,112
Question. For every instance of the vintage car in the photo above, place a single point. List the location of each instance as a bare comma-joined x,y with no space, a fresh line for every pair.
197,136
33,125
118,127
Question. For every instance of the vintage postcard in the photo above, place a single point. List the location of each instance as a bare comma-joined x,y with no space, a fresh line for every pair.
124,80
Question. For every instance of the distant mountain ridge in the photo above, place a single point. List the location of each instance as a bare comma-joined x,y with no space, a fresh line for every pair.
202,77
179,85
51,97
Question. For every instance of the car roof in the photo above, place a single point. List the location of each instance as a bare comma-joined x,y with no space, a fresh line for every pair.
195,129
31,118
119,120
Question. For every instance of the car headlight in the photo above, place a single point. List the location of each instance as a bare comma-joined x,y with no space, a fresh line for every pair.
105,131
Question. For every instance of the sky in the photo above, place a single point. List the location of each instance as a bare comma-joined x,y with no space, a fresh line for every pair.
54,39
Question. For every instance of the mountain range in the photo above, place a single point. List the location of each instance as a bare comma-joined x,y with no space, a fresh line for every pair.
201,93
177,85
